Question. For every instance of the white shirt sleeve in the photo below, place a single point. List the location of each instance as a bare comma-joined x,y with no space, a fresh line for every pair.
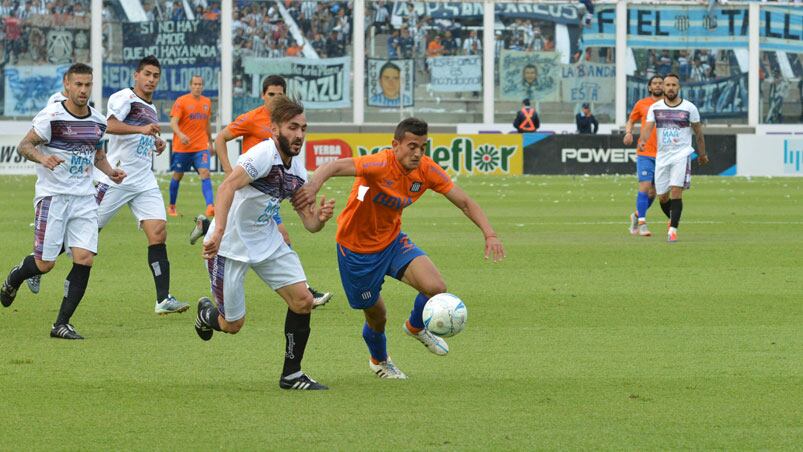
259,160
651,113
694,114
41,124
119,106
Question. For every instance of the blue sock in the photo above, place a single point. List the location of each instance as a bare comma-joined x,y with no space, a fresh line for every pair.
173,191
642,204
417,314
206,189
376,342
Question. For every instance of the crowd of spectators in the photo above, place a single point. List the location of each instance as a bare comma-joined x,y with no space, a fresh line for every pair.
694,66
24,26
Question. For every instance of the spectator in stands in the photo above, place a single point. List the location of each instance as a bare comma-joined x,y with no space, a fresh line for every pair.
664,63
549,44
698,72
449,43
585,120
435,48
394,45
472,45
295,49
406,43
412,16
684,70
7,8
319,44
12,42
381,16
177,13
334,47
527,120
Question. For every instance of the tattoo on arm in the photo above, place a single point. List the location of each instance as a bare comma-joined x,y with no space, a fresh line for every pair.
27,147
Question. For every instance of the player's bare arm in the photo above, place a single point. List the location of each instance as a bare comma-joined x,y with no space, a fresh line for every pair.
305,197
700,139
102,163
470,208
181,136
225,194
645,134
628,139
222,151
314,218
117,127
28,149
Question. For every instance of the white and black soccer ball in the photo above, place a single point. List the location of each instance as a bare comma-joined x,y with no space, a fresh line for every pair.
445,315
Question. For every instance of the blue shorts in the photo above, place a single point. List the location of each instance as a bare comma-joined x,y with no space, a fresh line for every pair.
362,275
185,161
645,168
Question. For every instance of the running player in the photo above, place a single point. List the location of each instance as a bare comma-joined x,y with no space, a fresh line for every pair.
645,160
674,118
371,244
189,120
134,130
244,235
65,141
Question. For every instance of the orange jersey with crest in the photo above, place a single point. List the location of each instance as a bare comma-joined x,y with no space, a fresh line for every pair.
253,126
382,189
193,120
640,113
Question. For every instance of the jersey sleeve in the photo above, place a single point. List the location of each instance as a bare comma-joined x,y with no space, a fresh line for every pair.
41,125
437,178
119,106
651,113
239,127
258,161
371,166
178,108
694,114
635,115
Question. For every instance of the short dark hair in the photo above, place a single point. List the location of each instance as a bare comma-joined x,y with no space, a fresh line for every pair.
388,65
78,68
661,77
415,126
526,102
149,60
274,80
283,109
672,74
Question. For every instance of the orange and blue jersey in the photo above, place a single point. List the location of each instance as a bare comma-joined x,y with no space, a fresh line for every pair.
253,126
639,113
193,120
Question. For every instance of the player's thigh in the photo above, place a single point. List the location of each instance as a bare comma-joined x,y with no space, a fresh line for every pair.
200,161
50,223
422,274
109,200
227,278
645,171
282,269
181,162
362,275
662,178
82,225
680,174
149,210
297,296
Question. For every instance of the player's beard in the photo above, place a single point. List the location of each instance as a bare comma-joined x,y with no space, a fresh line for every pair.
657,93
671,97
284,146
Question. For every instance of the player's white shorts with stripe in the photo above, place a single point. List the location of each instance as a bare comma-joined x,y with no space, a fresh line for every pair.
145,205
67,220
675,174
280,269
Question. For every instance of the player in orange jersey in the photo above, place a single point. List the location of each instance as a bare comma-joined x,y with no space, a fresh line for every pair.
645,159
371,244
192,140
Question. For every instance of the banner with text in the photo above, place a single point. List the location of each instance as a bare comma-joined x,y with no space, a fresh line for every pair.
456,74
27,88
562,14
588,82
389,82
457,154
725,98
530,75
318,83
781,29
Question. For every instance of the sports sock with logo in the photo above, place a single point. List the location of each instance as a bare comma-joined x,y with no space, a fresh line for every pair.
74,288
160,268
206,189
174,191
296,335
27,269
376,342
677,209
417,314
642,204
210,317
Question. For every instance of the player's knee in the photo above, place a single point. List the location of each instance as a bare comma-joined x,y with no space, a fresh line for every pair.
435,287
233,327
203,173
157,233
302,304
45,266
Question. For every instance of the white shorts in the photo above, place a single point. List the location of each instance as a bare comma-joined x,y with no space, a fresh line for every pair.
676,174
145,205
280,269
65,220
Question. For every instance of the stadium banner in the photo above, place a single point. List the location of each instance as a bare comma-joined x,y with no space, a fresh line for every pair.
457,154
781,29
724,98
27,88
767,155
561,14
530,75
11,162
671,27
605,154
319,83
389,81
588,82
184,48
455,74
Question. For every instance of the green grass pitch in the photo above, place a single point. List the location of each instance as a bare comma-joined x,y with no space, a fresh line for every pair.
583,338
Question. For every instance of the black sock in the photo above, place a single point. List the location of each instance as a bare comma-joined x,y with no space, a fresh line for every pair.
666,207
205,225
210,317
677,208
296,334
27,269
74,288
160,268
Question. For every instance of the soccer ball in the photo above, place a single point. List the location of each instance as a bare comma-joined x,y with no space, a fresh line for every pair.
445,315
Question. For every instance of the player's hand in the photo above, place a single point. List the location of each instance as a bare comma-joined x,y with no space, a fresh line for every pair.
327,209
304,197
494,248
160,145
117,175
51,162
703,159
212,245
640,145
184,139
151,129
628,140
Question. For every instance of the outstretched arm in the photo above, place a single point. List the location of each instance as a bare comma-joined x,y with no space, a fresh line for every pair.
493,246
305,196
117,127
225,194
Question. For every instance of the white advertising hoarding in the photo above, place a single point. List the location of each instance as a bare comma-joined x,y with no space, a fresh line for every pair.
763,155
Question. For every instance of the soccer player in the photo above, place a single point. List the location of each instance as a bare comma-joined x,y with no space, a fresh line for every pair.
371,244
189,120
134,129
254,127
645,159
674,118
64,140
243,235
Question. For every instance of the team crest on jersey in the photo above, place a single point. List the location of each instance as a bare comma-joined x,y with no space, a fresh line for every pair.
206,107
416,187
